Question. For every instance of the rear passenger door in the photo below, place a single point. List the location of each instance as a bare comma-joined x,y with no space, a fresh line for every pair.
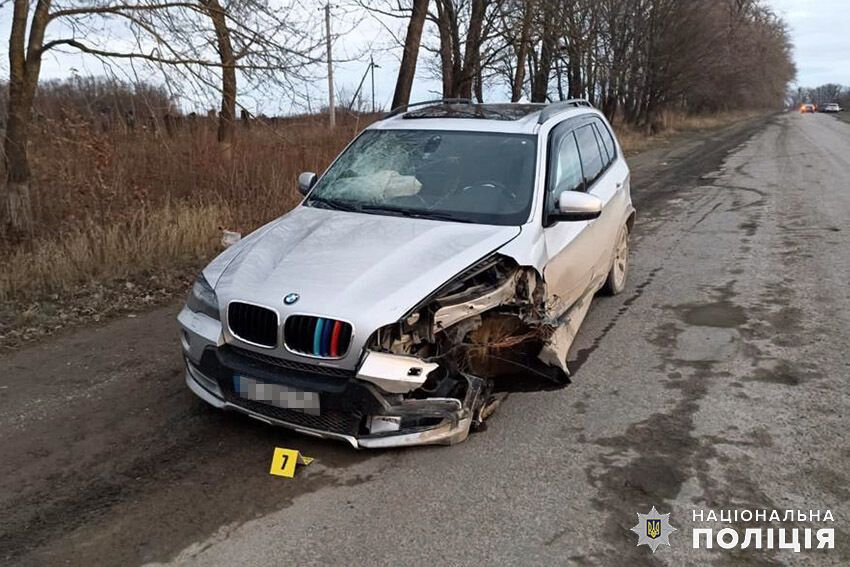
603,180
610,186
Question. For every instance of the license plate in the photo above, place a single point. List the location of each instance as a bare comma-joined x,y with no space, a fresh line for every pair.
276,395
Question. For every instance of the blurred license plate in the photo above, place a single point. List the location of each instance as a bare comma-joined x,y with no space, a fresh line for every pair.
276,395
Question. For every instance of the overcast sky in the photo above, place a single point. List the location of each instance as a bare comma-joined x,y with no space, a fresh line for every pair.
820,31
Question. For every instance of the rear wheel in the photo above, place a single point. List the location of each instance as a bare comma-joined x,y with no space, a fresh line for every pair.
616,281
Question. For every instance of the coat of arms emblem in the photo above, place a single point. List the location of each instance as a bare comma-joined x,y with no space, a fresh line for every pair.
653,529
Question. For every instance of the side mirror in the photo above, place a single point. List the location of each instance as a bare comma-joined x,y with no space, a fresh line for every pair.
577,206
306,181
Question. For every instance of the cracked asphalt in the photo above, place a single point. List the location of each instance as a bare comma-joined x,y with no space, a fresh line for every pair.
718,380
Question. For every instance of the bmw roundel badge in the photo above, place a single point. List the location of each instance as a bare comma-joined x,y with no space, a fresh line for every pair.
291,298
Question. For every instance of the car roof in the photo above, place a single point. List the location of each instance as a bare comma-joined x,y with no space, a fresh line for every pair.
451,114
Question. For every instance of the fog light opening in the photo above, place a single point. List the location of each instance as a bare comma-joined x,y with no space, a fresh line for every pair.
383,423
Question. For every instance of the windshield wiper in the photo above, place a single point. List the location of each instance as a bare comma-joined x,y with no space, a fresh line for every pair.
432,215
334,205
360,208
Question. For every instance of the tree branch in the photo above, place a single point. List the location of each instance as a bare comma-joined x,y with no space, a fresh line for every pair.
118,8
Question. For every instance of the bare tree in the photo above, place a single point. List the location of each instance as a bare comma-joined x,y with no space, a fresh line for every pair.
244,37
407,69
263,45
468,43
522,47
27,47
541,59
224,45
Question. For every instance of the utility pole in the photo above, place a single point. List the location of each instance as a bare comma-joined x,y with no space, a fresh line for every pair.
331,105
372,66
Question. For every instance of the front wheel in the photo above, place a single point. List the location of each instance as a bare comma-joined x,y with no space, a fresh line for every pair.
615,283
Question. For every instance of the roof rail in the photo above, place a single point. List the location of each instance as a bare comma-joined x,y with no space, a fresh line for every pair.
405,107
556,107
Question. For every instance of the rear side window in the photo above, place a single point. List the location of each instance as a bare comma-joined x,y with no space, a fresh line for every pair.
607,158
591,155
606,137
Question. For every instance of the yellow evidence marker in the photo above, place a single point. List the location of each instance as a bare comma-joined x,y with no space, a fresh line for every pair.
284,461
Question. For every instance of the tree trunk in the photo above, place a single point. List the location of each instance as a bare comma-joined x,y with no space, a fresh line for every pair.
540,81
472,50
522,51
18,210
457,60
24,68
559,79
540,87
575,82
227,114
407,71
445,16
478,86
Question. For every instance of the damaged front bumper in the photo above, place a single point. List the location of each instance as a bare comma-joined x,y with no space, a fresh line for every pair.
429,378
352,409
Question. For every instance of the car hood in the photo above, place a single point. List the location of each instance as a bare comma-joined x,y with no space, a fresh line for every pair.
363,268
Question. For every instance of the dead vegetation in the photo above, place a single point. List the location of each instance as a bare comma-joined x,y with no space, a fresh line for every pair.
118,205
635,139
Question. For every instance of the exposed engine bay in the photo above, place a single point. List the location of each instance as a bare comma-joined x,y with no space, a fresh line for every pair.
486,331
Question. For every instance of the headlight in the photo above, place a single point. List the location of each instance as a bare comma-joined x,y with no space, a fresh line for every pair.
202,299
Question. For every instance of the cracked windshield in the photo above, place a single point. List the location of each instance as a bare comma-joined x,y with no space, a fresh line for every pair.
461,176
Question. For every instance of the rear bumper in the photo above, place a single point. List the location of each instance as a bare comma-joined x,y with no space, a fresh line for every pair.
448,420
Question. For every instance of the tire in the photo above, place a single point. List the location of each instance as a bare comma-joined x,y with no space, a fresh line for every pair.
615,282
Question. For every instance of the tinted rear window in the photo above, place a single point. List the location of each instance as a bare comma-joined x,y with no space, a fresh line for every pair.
591,158
607,138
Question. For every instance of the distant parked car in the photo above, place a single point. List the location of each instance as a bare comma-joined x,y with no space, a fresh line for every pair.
832,107
805,108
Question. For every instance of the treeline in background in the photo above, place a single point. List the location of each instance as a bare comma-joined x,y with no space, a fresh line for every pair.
633,59
821,96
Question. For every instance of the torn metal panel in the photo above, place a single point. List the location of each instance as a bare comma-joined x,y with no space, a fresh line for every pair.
557,345
393,373
444,434
490,327
454,310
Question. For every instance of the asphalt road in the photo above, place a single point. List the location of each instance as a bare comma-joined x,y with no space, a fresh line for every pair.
719,380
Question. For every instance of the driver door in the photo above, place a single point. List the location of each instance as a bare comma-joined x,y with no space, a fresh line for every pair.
572,253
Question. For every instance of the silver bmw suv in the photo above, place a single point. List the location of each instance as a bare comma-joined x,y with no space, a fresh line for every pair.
449,254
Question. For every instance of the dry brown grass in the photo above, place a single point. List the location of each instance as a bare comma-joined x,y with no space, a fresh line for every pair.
169,237
114,205
634,140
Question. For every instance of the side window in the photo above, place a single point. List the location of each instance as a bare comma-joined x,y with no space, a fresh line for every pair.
607,138
591,157
607,158
564,167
